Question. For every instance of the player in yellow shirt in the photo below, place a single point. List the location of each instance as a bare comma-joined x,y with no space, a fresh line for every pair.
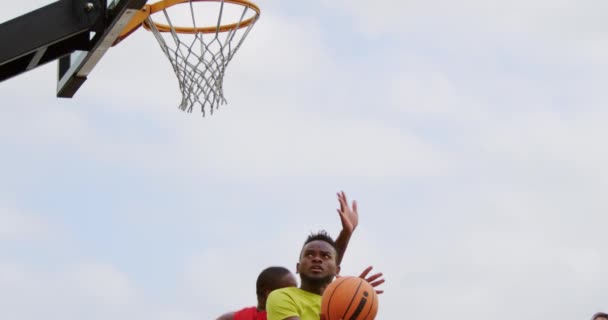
317,267
277,277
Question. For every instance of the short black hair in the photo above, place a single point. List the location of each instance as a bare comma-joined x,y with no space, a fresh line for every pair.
322,235
269,279
600,315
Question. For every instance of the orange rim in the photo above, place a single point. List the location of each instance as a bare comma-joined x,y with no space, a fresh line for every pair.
164,4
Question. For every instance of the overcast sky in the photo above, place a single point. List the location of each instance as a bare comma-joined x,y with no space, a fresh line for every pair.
472,133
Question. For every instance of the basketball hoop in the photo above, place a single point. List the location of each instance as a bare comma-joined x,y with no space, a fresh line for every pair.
199,46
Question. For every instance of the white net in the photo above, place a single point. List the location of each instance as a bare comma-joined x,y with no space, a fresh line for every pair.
200,37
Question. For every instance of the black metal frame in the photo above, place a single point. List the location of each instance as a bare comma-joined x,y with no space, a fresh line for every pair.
54,32
46,34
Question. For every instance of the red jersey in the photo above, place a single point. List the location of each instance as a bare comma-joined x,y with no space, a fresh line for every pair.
250,313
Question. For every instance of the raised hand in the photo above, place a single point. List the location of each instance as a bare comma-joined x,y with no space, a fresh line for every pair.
375,279
348,215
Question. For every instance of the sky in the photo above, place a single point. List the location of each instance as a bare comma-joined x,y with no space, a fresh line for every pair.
471,133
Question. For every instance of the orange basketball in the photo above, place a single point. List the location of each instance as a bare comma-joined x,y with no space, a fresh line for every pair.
349,298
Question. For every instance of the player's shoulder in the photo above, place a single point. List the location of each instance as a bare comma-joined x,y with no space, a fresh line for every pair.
247,310
227,316
247,313
284,293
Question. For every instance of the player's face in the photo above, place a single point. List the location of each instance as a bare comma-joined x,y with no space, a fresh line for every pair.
318,261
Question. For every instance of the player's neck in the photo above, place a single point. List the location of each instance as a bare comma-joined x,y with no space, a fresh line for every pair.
312,288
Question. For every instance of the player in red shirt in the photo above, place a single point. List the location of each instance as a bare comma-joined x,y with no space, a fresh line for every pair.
270,279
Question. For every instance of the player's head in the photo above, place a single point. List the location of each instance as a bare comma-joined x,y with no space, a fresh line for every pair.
270,279
318,259
600,316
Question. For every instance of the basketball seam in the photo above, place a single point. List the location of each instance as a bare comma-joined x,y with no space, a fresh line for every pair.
360,307
332,296
371,306
353,298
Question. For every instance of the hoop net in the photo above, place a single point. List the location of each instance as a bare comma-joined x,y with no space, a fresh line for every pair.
200,40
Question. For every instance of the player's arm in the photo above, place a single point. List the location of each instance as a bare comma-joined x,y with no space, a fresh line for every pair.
226,316
350,219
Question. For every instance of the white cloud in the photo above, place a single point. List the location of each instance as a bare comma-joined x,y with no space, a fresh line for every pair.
551,141
540,31
297,143
45,127
206,276
104,283
513,16
282,50
95,291
17,225
425,93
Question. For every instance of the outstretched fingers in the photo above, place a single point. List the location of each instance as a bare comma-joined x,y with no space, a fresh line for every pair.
342,200
365,272
374,277
374,280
